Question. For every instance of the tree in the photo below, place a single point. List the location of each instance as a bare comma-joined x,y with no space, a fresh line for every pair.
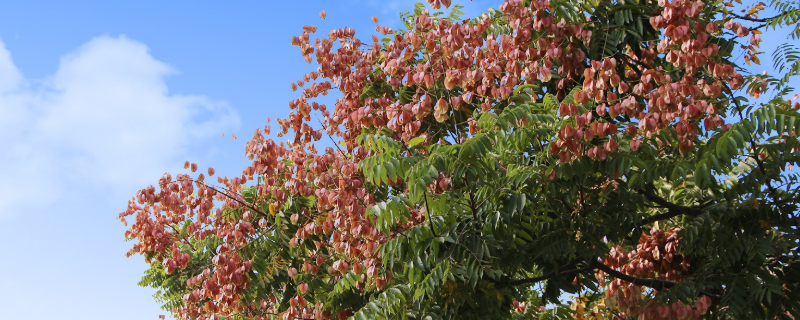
486,168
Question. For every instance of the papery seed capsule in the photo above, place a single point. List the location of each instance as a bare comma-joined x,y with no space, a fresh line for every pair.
380,283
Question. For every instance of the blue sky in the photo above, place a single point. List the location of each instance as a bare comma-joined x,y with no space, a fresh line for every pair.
99,99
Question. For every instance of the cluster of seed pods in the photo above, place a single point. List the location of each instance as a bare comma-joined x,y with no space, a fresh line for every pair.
655,257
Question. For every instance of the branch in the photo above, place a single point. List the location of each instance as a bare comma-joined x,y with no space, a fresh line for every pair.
555,274
424,191
772,191
428,211
651,283
673,210
753,19
656,284
244,204
184,238
471,198
547,276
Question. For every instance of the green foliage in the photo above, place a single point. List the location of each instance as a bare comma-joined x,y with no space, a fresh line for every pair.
789,15
477,221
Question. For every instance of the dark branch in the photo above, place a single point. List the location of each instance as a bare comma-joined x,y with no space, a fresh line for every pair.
760,164
428,211
239,201
551,275
650,283
753,19
471,198
555,274
673,210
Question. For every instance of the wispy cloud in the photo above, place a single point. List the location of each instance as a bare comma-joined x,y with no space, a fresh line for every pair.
105,119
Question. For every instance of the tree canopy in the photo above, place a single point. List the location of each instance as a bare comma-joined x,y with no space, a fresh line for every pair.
613,152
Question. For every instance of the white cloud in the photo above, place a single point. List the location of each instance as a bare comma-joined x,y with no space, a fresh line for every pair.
9,75
104,120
